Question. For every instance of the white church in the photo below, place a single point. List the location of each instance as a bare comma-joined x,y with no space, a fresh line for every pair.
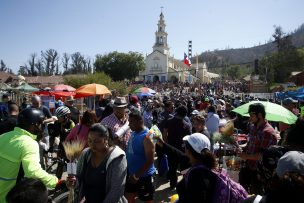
162,67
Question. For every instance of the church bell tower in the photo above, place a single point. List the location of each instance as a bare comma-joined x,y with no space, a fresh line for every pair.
161,36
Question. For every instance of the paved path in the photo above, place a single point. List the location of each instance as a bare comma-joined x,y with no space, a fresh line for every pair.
162,190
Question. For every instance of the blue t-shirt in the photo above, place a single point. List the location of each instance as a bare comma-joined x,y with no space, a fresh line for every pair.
136,153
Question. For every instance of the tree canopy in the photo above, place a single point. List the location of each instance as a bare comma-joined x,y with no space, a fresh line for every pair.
98,78
277,67
120,66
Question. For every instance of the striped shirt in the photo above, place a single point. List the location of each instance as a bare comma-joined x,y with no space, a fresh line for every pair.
260,139
115,124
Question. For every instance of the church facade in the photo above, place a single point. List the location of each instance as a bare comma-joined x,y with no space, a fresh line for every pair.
159,65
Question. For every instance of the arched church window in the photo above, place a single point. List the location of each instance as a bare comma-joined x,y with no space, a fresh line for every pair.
160,29
161,40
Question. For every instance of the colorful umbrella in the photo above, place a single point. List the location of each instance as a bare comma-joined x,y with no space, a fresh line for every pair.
145,94
63,87
92,90
144,90
274,112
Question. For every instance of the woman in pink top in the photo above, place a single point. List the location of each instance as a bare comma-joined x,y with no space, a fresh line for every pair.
81,130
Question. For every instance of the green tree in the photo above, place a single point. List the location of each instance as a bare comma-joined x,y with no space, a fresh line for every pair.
233,72
79,80
50,59
287,55
78,63
3,66
65,62
120,66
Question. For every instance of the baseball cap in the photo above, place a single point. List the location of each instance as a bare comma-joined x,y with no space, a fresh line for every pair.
289,100
198,141
292,161
195,112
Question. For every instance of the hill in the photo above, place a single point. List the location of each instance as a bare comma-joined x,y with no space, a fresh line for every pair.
221,58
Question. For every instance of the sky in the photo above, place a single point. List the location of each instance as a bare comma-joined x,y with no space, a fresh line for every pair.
101,26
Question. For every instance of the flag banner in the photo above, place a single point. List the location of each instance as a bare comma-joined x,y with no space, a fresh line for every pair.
187,60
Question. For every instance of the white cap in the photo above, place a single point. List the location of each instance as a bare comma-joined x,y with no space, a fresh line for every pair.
222,123
195,112
198,141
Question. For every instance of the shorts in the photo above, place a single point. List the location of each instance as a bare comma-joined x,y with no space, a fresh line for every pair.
144,188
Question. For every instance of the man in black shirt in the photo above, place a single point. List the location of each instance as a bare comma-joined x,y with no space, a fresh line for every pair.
10,123
175,129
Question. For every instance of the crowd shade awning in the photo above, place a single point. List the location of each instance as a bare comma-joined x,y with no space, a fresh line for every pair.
57,95
63,87
26,88
4,86
91,90
274,112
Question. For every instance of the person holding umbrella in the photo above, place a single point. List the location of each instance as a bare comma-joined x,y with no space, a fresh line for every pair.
261,136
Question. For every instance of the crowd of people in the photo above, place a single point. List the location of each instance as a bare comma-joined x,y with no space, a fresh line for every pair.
121,161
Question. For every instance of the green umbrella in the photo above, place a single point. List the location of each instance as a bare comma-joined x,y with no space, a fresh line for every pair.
26,88
274,112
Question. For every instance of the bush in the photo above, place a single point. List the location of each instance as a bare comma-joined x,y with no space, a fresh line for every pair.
77,81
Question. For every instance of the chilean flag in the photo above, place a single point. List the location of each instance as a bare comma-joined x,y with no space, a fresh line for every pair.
186,60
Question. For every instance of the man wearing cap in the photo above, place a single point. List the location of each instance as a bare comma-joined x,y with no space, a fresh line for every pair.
117,120
289,104
148,116
261,136
288,185
69,102
134,103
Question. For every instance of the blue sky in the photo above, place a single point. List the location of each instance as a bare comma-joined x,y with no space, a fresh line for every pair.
102,26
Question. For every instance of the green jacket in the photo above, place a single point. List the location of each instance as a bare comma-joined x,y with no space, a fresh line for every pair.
15,147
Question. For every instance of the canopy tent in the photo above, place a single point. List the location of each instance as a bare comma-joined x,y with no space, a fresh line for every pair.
298,95
54,93
26,88
4,86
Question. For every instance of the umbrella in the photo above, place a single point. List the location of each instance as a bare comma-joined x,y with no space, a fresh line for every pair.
145,94
92,90
63,87
26,88
274,112
144,90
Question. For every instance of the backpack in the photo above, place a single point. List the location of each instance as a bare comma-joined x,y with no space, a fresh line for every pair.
226,189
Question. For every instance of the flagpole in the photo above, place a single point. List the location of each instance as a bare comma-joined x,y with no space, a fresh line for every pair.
196,65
